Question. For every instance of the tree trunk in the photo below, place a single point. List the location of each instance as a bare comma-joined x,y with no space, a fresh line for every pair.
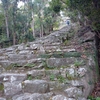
6,22
14,38
32,24
97,44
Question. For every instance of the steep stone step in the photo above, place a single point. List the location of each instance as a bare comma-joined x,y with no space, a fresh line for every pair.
11,77
36,86
34,96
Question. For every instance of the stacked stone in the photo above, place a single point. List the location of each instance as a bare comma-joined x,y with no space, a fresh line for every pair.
45,70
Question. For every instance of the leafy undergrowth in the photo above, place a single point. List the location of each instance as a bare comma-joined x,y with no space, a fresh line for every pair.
95,95
92,98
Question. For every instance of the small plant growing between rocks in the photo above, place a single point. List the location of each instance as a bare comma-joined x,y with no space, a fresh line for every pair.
29,65
46,66
77,64
70,77
27,45
52,77
1,87
92,98
29,77
11,66
61,78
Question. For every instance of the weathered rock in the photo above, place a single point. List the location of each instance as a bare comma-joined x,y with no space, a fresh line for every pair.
35,96
21,47
5,63
58,62
2,98
70,73
73,92
11,89
77,83
42,50
2,57
25,96
81,72
24,52
88,85
36,73
59,97
16,57
71,99
81,98
52,72
12,77
56,85
36,86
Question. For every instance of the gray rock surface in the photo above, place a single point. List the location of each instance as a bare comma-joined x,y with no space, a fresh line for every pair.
47,69
11,89
36,86
2,98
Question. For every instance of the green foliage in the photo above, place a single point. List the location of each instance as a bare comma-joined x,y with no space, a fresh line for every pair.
98,98
72,54
92,98
90,82
61,78
52,77
12,66
29,37
29,65
56,5
1,87
78,63
70,77
46,66
61,55
29,77
97,66
45,55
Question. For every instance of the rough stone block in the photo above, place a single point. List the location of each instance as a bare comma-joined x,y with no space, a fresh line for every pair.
11,89
73,92
36,86
12,77
59,97
2,98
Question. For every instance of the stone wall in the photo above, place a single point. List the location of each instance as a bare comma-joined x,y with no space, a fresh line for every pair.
48,69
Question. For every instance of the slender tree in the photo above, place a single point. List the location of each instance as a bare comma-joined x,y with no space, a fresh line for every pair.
5,7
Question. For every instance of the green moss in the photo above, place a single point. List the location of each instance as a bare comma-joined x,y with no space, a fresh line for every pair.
72,54
52,77
70,77
61,55
93,98
29,77
29,65
46,66
61,78
11,66
57,55
66,42
65,66
45,56
1,87
77,64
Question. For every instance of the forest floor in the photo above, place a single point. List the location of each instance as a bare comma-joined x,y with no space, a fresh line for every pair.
96,91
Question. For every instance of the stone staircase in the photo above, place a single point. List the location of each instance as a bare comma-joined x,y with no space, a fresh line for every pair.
46,70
